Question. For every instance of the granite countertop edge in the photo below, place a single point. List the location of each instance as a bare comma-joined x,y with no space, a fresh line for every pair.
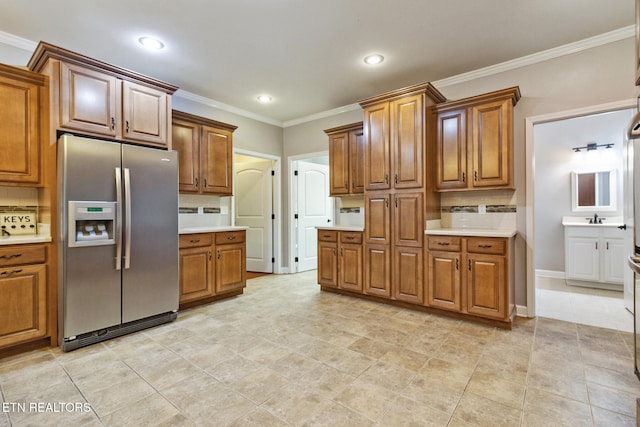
25,239
341,227
212,229
473,232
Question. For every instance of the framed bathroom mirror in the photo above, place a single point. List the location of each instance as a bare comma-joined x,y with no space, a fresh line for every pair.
593,191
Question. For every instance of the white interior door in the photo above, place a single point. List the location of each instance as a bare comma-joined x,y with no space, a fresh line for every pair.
315,208
254,209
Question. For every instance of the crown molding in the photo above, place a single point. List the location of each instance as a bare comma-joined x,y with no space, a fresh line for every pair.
545,55
589,43
226,107
19,42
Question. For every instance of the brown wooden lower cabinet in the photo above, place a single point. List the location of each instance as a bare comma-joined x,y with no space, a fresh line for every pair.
340,259
465,277
23,295
212,266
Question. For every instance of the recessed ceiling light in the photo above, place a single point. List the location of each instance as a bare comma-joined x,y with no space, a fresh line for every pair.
265,98
151,43
376,58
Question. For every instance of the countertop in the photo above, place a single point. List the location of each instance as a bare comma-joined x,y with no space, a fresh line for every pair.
472,232
214,229
583,221
25,238
341,227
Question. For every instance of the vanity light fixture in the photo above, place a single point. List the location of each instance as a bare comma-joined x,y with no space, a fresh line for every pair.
151,43
373,59
591,146
265,99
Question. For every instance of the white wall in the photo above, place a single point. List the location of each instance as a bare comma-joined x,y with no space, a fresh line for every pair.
554,162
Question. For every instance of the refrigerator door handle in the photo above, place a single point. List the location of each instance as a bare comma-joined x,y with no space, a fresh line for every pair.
118,219
127,219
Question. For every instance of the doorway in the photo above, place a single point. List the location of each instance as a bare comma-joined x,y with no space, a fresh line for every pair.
550,160
311,207
256,195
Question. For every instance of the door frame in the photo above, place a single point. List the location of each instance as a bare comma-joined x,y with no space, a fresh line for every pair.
530,122
292,202
277,204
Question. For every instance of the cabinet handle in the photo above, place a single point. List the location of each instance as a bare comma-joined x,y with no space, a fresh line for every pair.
386,178
326,236
353,184
196,182
113,123
205,182
209,255
443,244
475,175
6,273
456,263
346,184
464,177
607,245
231,238
349,237
194,240
219,254
485,246
395,179
334,252
10,256
341,252
596,246
469,265
126,125
386,202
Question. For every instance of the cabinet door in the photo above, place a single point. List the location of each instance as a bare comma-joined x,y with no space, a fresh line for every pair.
582,259
328,264
451,150
20,133
615,254
185,140
89,101
408,219
377,273
23,304
377,218
339,163
356,161
407,141
444,280
230,267
350,267
196,273
377,151
216,150
486,286
144,112
492,147
408,270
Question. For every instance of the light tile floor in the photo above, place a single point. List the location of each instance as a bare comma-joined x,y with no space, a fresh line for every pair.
597,307
286,354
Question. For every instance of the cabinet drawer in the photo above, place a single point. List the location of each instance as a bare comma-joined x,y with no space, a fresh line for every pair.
327,235
195,240
226,237
22,254
445,243
351,237
487,246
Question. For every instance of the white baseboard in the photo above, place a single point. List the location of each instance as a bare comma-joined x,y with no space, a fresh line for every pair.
550,274
522,311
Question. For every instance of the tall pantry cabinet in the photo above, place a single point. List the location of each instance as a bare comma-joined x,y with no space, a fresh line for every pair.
395,129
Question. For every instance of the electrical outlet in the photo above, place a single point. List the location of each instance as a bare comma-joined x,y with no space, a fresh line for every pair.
482,209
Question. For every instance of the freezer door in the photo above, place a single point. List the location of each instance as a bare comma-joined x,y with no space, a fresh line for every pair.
150,270
89,283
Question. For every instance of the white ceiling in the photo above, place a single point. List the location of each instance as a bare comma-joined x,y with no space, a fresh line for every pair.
308,54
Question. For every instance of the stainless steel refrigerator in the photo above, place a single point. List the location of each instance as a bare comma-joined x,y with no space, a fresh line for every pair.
118,246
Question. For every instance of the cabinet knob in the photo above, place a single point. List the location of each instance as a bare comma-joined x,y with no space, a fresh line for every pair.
231,238
194,240
196,182
10,256
219,254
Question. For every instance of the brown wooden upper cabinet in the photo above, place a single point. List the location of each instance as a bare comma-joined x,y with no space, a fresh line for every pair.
23,109
99,99
474,142
394,132
205,149
346,159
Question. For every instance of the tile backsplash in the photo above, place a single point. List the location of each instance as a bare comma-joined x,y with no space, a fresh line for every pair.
18,196
490,209
203,211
